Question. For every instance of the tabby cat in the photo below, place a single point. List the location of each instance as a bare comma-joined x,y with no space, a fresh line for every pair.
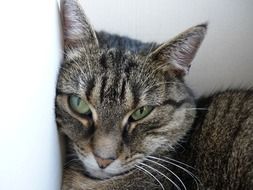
124,108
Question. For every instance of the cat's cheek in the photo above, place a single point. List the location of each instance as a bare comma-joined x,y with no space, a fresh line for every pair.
151,144
73,132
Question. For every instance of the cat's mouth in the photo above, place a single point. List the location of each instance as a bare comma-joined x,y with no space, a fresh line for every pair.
116,168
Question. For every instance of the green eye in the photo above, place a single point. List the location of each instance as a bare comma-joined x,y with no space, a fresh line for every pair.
78,105
141,113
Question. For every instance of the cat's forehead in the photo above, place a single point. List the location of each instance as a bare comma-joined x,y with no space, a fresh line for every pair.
113,85
117,60
104,60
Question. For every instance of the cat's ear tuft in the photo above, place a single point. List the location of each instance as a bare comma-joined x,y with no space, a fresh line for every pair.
76,26
175,56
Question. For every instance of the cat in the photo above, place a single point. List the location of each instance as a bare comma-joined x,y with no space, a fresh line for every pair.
124,107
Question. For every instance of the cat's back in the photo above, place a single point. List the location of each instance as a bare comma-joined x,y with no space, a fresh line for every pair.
221,146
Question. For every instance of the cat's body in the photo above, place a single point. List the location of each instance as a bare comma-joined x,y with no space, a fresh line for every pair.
123,106
220,145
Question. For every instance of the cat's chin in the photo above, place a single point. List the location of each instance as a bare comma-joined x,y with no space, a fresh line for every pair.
98,174
102,175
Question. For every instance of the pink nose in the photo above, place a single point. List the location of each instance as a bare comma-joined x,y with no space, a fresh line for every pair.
103,163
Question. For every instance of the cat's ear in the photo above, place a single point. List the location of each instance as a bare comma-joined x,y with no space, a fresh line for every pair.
76,26
175,56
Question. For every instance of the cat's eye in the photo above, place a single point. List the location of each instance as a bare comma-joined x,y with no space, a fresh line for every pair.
141,113
78,105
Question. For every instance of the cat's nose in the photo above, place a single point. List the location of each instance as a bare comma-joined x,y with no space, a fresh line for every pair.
103,162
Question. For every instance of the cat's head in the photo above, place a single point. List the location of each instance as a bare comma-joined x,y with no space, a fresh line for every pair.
117,107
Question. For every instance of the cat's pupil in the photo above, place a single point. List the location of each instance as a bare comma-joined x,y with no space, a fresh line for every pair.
78,101
141,110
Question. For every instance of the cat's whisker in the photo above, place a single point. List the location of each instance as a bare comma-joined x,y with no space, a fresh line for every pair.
73,160
65,70
147,56
134,158
78,168
82,71
197,181
172,148
167,170
87,58
195,108
172,163
77,64
162,174
179,145
148,77
150,174
160,83
179,162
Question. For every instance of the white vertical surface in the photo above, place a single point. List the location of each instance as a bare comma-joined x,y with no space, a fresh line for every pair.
30,53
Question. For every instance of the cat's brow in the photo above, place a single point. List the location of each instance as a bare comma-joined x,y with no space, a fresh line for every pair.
123,90
102,89
175,103
89,88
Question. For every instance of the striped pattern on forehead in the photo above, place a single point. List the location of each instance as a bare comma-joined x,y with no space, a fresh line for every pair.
110,88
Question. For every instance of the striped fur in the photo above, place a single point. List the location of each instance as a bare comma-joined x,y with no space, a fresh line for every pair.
220,146
115,76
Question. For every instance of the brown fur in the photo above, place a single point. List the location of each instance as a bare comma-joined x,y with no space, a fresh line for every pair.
115,76
221,144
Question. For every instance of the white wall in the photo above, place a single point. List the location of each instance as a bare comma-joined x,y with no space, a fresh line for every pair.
226,56
30,52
